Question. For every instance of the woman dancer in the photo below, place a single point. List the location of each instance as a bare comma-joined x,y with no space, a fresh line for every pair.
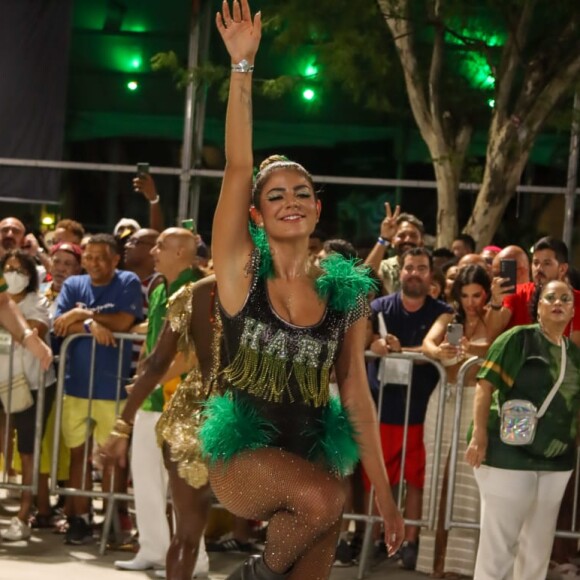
189,328
440,552
277,446
522,485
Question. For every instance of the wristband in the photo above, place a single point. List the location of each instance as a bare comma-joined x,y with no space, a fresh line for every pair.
495,306
154,201
28,332
87,325
383,242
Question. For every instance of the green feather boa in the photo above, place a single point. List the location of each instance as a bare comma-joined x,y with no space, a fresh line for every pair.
231,427
336,445
343,281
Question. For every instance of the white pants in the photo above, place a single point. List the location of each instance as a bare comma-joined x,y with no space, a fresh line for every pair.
150,482
519,510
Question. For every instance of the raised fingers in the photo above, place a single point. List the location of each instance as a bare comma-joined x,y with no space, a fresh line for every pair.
237,11
246,12
226,14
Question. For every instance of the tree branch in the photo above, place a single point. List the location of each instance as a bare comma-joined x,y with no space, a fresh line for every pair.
436,68
550,95
509,63
402,32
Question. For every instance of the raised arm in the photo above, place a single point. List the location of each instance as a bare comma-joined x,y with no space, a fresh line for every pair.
386,233
231,242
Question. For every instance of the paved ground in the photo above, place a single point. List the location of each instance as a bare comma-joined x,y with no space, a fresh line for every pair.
46,557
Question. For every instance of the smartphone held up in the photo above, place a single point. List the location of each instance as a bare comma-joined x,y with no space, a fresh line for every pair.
142,169
507,270
454,333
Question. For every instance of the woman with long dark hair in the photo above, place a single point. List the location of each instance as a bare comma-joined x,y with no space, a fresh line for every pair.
453,552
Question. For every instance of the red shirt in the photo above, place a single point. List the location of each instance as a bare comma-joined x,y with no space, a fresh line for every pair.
519,304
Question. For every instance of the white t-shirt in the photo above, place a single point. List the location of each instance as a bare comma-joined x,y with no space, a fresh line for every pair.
35,307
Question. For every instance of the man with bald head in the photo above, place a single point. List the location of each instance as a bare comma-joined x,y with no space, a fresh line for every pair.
511,306
13,237
173,253
522,263
471,259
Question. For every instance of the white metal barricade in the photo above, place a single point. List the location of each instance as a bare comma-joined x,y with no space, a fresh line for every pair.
428,519
8,348
111,497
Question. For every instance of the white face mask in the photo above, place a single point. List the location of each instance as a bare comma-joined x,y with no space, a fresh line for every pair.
16,281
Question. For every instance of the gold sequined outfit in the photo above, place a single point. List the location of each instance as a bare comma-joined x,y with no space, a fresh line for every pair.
179,423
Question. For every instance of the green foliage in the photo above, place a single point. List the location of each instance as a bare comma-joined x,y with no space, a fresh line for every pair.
205,74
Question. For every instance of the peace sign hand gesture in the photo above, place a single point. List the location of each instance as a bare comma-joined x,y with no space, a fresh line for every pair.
389,224
240,34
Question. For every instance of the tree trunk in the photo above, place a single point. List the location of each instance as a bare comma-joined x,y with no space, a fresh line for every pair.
447,176
505,161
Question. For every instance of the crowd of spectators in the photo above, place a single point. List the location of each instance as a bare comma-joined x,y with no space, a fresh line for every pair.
98,284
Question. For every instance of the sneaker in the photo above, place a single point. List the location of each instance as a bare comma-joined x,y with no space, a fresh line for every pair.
17,530
232,546
79,532
379,553
356,546
343,554
409,552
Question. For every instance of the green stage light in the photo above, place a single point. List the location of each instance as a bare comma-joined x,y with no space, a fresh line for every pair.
491,103
311,70
132,85
136,62
308,94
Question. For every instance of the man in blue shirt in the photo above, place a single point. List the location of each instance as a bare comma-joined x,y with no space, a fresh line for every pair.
408,314
101,302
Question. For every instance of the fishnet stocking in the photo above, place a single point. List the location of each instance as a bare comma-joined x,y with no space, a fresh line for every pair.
302,502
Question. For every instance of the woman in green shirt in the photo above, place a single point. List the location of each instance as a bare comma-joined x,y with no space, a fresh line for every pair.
522,486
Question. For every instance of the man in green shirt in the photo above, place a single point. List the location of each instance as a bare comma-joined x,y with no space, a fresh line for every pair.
174,255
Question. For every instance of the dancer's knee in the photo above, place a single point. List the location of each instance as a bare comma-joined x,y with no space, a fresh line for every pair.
325,505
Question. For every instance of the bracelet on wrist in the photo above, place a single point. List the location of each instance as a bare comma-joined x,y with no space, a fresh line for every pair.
28,332
242,67
154,201
383,242
495,306
122,426
119,435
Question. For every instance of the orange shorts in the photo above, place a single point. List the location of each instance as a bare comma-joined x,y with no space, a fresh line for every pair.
392,444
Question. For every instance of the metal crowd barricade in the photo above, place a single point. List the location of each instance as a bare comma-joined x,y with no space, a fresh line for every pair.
7,347
573,533
111,497
429,519
454,451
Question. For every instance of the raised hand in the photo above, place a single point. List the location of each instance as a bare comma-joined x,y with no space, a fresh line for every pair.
389,224
241,34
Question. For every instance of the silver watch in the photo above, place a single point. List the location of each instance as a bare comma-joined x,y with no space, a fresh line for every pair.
243,66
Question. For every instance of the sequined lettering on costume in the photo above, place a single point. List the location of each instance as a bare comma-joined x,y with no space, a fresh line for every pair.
244,368
332,346
272,381
251,334
305,367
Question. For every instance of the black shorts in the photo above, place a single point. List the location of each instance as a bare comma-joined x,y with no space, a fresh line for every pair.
24,422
